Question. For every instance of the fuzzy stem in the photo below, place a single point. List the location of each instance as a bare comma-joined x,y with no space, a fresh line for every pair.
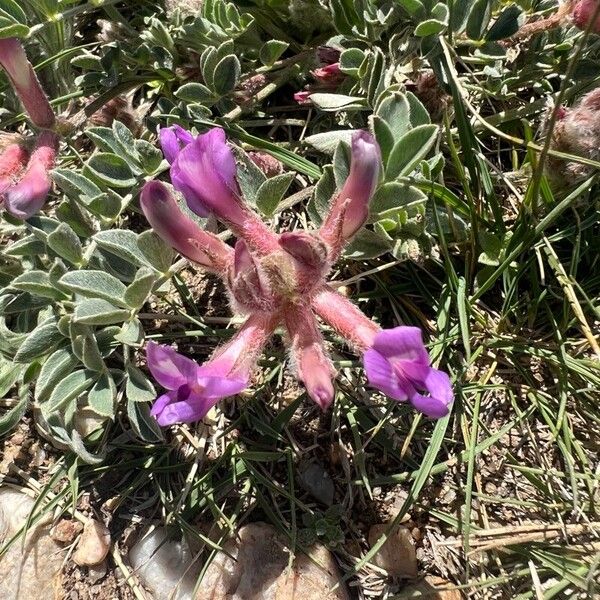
346,318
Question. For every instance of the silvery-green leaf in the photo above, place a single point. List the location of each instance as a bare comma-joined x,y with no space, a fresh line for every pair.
110,169
320,203
9,374
196,92
123,243
479,17
138,387
226,74
67,390
142,423
95,311
132,333
271,51
10,418
59,364
90,354
390,197
409,150
350,61
272,191
65,242
137,292
38,283
156,252
40,341
95,284
327,141
333,102
367,244
418,113
103,395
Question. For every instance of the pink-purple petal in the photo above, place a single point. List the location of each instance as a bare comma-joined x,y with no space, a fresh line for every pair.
172,140
438,385
404,343
221,387
380,375
204,172
168,367
192,409
432,407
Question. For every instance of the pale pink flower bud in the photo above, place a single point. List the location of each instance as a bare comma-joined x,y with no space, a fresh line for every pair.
180,232
25,82
303,97
27,197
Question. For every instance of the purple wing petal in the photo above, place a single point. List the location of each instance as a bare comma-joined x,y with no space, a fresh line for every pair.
169,368
404,343
429,406
437,383
381,376
192,409
173,139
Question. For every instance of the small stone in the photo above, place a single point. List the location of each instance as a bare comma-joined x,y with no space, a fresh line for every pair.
416,533
429,588
259,570
66,530
97,572
32,570
315,480
93,545
397,556
163,565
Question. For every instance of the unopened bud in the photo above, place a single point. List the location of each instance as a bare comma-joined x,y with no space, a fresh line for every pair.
27,197
25,82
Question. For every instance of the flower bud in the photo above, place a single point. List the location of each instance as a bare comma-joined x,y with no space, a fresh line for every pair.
180,232
331,75
350,208
27,197
25,82
327,55
303,97
309,252
583,12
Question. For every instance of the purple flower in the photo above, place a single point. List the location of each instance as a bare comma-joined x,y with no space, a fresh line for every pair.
204,172
192,389
398,365
172,140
